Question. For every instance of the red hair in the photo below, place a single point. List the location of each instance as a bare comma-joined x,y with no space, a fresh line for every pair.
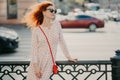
35,17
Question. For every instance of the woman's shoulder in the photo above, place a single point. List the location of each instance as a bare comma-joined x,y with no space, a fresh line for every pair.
35,29
56,22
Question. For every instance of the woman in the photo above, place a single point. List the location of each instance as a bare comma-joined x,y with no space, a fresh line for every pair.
42,15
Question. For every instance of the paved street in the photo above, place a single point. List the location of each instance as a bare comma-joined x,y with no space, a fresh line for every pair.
82,44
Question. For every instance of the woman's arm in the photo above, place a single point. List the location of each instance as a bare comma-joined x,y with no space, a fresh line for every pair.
63,45
34,44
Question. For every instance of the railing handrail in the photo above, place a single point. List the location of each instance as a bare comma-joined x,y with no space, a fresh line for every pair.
15,61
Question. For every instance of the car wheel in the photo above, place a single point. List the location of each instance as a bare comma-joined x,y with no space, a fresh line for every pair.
92,27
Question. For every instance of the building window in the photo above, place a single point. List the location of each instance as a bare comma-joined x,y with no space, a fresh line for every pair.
11,9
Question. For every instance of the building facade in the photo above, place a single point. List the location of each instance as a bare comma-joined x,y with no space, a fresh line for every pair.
11,11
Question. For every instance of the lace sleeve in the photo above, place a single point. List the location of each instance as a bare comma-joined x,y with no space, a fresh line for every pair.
62,43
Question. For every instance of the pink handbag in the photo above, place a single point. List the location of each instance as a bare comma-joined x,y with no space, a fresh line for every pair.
55,67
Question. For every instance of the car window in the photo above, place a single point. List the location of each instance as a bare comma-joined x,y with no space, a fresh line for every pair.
83,17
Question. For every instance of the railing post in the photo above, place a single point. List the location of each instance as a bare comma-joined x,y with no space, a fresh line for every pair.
116,66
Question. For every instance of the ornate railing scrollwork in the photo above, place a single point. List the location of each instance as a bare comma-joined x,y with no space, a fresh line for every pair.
81,70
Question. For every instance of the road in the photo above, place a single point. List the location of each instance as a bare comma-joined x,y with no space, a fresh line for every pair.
81,44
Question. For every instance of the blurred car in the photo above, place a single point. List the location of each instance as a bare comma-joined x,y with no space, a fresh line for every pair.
8,40
83,21
115,15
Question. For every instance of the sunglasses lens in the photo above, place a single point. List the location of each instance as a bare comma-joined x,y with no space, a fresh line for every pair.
53,10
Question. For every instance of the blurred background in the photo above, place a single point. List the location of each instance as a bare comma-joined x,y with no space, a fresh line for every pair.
91,29
11,11
82,39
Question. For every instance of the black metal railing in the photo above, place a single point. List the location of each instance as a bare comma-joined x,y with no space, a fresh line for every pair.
82,70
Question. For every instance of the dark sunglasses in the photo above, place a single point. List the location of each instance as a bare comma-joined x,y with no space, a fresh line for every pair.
52,10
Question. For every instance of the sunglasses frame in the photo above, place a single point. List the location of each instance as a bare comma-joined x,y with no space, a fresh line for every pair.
52,10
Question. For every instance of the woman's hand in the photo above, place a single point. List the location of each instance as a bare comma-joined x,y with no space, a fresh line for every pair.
73,60
37,71
38,74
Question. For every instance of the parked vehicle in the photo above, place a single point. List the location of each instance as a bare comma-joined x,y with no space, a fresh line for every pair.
115,15
9,40
92,6
83,21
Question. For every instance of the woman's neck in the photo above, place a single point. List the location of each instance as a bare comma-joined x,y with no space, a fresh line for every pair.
46,23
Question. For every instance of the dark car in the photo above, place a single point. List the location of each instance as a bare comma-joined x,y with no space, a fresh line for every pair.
83,21
8,40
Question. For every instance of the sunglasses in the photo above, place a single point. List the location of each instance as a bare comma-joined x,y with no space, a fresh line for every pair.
52,10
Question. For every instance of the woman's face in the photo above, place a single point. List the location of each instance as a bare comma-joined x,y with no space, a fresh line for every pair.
50,12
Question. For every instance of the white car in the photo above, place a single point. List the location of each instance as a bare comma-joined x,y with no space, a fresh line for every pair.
115,15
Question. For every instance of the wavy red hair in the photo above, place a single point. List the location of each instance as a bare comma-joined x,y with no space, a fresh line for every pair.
35,17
